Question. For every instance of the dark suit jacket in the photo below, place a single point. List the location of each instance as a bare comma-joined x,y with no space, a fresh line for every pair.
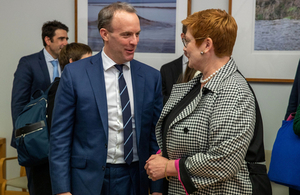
79,134
51,100
31,74
295,94
170,73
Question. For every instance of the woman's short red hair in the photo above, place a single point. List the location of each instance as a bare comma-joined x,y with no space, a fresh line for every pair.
216,24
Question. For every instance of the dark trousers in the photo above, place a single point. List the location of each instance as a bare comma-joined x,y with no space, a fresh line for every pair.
39,182
293,191
30,183
121,179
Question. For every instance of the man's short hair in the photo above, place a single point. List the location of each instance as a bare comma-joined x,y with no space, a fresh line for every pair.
49,28
106,14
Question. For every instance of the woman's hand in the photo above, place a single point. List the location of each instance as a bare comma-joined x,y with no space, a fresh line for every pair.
155,167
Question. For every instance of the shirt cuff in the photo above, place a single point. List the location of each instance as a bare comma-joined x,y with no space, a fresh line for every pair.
159,151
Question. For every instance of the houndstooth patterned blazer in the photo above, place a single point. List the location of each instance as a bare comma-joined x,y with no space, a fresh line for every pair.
211,135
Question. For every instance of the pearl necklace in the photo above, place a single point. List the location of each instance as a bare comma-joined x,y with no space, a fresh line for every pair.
210,76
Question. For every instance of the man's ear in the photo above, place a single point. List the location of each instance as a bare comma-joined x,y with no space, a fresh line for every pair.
47,40
104,34
70,60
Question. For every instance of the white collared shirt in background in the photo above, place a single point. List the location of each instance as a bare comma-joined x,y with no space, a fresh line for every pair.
185,61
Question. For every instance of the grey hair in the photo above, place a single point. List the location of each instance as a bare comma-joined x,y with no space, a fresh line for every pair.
106,14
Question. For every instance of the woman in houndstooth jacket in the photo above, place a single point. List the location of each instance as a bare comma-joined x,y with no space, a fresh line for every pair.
207,124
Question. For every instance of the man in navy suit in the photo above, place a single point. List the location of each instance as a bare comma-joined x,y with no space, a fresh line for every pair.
36,72
87,144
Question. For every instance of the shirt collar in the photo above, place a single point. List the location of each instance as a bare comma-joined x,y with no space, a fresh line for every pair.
108,62
48,57
184,59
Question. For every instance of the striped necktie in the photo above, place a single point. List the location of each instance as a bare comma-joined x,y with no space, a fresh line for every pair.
127,117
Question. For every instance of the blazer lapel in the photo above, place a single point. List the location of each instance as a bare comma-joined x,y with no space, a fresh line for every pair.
96,76
178,68
44,68
138,83
188,109
178,93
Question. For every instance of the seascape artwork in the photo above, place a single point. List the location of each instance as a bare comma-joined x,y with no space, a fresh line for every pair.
157,19
277,25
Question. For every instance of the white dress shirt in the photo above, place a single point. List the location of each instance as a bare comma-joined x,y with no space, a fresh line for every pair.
48,59
115,150
185,60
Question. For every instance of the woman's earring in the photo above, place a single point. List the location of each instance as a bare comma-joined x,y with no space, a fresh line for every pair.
201,52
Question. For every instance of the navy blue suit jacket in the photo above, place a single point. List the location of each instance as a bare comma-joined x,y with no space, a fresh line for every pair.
31,74
79,133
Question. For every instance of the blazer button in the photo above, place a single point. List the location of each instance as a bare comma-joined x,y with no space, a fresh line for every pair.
185,130
105,145
103,168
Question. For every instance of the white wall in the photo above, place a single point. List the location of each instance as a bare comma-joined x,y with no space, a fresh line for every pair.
20,32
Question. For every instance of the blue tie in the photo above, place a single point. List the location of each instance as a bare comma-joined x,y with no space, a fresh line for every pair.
55,69
127,118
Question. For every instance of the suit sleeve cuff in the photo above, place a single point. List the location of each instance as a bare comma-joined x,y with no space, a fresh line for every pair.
184,177
156,186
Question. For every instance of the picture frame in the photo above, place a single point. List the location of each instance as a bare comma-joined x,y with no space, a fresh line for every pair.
259,66
155,60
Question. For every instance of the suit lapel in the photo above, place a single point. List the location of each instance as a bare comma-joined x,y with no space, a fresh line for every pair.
44,68
179,91
138,83
188,109
96,76
178,68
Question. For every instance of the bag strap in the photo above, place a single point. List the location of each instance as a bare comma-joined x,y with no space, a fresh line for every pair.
55,81
35,94
256,151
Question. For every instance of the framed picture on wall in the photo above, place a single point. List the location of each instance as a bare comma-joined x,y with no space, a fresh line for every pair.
259,55
160,27
277,26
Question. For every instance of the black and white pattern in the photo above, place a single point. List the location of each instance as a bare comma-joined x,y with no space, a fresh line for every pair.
213,133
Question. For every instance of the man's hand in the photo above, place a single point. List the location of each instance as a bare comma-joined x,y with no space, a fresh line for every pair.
65,193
